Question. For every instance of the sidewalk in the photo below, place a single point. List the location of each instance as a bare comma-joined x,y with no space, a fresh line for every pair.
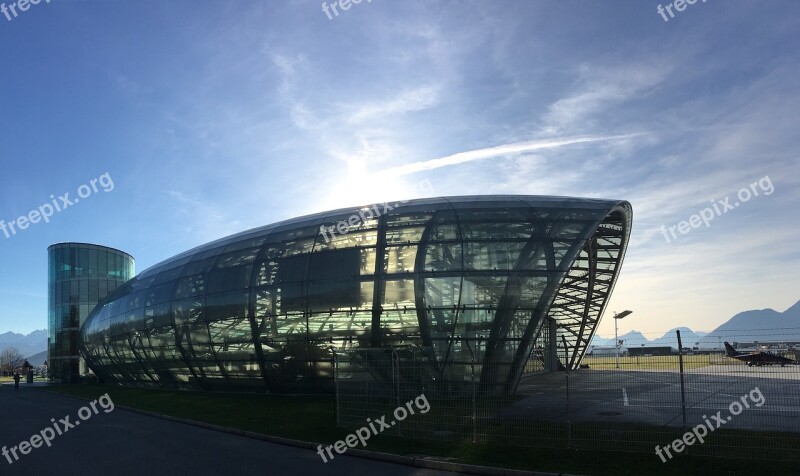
22,385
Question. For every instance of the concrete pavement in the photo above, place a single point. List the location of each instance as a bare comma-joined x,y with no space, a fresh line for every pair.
122,443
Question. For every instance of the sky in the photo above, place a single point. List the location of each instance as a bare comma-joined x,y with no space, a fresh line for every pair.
199,119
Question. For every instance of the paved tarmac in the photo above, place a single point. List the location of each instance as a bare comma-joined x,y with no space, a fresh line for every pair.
772,397
122,443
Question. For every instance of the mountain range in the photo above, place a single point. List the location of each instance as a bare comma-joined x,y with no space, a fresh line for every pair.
27,345
764,325
689,338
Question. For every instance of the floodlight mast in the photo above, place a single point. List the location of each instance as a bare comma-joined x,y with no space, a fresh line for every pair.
616,339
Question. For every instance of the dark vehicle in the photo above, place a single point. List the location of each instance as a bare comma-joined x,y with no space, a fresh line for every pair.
757,358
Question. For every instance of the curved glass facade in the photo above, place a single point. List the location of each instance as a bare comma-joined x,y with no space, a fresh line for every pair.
79,276
461,278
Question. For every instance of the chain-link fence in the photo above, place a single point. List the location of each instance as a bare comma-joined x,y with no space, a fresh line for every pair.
742,402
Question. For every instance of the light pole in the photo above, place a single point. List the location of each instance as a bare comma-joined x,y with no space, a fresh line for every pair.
616,338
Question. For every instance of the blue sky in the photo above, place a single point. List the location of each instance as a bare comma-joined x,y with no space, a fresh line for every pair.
215,117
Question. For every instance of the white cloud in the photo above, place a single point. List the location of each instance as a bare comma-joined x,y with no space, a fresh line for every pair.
412,100
600,89
496,151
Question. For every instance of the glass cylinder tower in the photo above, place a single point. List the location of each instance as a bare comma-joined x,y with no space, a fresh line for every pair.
80,275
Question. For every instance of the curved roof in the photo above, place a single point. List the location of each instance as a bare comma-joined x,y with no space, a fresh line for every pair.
421,204
99,247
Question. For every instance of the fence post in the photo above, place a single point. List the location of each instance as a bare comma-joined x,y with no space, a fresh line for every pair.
566,368
396,378
396,374
474,404
336,389
683,390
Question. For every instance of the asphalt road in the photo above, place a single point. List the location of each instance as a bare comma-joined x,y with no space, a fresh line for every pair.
654,397
122,443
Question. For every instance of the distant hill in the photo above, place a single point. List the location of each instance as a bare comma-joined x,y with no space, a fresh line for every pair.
633,339
37,359
30,344
689,338
602,341
765,325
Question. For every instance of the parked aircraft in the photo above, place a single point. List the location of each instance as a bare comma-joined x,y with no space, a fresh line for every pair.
757,358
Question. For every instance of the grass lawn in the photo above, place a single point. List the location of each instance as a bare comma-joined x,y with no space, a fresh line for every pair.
311,418
22,379
656,362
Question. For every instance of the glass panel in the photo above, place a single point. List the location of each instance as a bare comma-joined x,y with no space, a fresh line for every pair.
92,270
228,279
83,290
399,259
74,291
227,305
102,289
102,265
83,262
443,257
